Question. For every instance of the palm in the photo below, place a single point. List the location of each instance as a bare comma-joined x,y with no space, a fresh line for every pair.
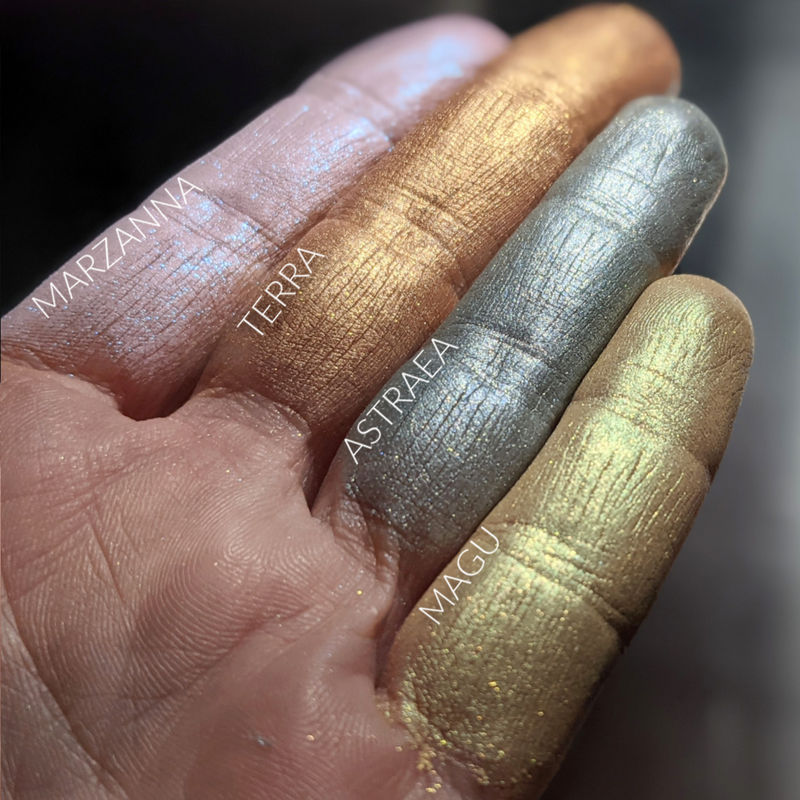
180,623
207,633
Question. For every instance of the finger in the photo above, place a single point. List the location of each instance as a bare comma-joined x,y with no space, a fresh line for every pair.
573,556
139,309
397,252
465,417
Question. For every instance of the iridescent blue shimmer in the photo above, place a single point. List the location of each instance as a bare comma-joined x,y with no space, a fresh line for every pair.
533,323
445,59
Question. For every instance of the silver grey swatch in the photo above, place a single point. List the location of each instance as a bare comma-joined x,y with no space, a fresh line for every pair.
530,327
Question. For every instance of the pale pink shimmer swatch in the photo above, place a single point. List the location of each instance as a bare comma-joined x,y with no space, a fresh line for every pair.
144,328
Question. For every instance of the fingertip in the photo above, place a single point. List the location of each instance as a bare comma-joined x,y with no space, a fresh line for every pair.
669,167
678,365
461,36
405,64
645,51
716,340
480,34
715,301
673,69
653,30
712,320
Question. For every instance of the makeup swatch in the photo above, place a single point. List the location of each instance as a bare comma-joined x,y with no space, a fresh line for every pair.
519,343
562,571
144,318
396,253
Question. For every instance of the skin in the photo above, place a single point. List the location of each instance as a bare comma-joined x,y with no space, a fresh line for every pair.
177,623
109,689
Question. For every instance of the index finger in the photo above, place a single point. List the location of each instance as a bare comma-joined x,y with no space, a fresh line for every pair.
139,309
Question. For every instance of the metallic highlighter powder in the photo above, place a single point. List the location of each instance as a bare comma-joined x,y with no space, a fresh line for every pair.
145,328
405,243
529,329
493,688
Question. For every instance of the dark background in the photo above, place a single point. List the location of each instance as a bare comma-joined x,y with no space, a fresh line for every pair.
106,100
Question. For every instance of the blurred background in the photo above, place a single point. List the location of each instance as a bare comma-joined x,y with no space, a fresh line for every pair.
103,101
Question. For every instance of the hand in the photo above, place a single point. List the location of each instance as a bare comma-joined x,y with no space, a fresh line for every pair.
186,612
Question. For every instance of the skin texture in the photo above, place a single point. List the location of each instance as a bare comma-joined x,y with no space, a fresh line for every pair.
144,330
152,598
534,322
500,680
176,621
403,246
